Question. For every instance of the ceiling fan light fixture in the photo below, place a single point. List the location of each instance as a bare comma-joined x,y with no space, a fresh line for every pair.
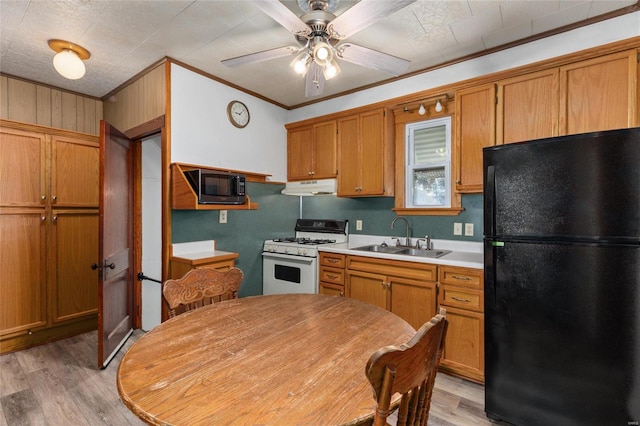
68,59
330,70
322,53
301,63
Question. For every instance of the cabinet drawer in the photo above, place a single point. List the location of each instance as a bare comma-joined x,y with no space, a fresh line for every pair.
332,259
461,298
332,275
463,277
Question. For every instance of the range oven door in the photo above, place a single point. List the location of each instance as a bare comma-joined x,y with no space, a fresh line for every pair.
282,273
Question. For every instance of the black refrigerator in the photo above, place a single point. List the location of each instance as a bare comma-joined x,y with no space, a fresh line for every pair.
562,280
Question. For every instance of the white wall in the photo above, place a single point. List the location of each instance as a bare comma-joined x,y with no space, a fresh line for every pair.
604,32
201,133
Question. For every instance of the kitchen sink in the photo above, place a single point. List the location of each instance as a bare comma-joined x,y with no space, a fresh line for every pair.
423,252
377,248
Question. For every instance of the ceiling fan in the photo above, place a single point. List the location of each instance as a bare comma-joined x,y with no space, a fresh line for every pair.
321,37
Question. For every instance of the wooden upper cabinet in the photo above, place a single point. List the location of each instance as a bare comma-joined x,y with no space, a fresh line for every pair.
475,129
599,94
22,168
527,107
311,152
75,176
365,155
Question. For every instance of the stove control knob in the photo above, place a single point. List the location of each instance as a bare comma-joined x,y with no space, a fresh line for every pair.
289,251
303,251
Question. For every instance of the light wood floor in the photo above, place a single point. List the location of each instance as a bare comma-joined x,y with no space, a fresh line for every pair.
59,384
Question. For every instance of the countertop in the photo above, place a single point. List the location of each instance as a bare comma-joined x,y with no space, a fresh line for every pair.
463,254
202,251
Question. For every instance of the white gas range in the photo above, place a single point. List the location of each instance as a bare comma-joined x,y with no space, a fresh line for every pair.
290,265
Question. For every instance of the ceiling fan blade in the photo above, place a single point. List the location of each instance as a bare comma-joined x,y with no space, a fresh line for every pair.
264,55
314,84
372,58
363,14
282,15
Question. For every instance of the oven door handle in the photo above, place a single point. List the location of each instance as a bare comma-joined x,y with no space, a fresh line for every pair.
289,257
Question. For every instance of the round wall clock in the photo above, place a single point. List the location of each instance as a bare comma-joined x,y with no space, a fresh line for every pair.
238,114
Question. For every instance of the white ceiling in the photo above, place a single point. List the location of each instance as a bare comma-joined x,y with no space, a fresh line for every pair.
125,37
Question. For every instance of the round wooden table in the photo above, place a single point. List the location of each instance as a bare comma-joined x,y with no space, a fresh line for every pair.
279,359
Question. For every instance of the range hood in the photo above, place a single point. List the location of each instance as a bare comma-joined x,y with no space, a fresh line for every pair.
311,187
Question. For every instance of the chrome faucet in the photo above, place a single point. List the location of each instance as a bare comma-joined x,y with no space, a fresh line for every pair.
408,240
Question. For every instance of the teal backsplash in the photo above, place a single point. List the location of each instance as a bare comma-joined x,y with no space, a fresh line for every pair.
246,230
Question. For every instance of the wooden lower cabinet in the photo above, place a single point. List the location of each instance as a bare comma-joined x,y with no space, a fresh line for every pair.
407,289
414,291
462,295
331,274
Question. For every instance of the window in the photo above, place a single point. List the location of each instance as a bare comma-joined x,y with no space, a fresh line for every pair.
428,164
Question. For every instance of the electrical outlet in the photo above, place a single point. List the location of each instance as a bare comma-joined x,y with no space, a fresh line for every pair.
358,225
457,228
468,229
222,216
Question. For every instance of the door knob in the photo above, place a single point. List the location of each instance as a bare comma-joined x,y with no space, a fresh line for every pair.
96,266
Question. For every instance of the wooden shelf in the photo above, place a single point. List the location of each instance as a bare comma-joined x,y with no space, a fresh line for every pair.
183,197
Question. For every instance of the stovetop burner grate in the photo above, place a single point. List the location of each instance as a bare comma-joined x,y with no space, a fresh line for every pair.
298,240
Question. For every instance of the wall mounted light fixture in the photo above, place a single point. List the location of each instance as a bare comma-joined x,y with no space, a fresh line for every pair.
421,110
68,58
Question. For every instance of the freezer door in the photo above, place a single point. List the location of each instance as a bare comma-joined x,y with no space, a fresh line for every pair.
562,333
572,187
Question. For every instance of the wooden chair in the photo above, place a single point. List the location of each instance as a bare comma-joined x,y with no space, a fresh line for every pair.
409,369
200,287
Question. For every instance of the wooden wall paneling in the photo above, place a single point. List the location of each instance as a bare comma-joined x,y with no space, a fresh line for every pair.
22,101
4,105
69,111
43,106
56,109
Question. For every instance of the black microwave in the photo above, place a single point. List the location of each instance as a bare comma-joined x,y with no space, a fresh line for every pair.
217,187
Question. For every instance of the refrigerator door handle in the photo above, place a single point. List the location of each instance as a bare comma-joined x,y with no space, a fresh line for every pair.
490,202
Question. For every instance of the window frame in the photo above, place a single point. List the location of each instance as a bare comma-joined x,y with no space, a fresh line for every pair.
411,166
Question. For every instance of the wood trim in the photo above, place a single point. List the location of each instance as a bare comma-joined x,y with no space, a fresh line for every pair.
83,95
136,152
166,177
12,124
146,129
251,176
133,79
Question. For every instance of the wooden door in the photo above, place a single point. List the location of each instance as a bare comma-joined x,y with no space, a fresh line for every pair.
475,129
349,157
372,152
115,290
527,107
412,300
299,154
24,220
368,287
324,141
599,94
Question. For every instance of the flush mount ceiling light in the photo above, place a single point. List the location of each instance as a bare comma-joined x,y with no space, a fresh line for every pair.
68,58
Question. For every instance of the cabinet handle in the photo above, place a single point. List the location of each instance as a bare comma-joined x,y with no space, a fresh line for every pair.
44,197
460,278
342,294
55,218
332,276
43,218
457,299
54,198
311,173
331,260
458,182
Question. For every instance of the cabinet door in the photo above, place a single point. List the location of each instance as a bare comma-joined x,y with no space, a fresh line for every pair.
367,287
325,141
22,168
349,166
300,154
599,94
464,344
22,270
75,247
75,174
475,129
527,107
413,301
372,152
